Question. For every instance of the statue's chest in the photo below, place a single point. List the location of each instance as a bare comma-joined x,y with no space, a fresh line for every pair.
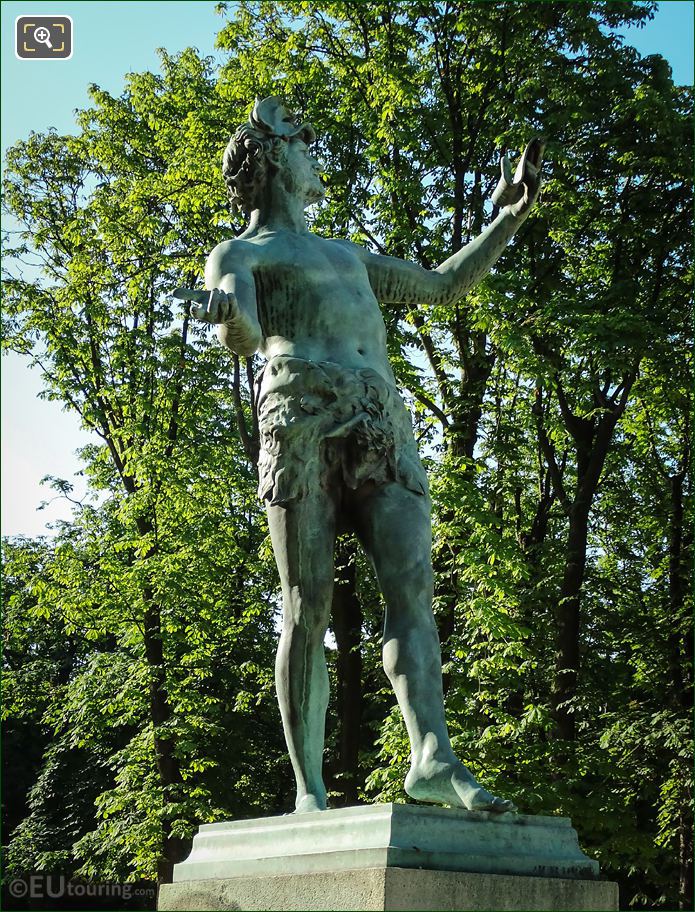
302,285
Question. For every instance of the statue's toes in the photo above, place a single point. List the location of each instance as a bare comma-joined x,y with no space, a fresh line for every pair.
484,801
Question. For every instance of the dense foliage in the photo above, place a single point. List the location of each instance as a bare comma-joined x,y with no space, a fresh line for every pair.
552,406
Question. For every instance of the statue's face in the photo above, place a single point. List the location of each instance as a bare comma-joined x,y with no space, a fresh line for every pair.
301,172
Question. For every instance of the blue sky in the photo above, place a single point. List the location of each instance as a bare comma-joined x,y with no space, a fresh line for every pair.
111,39
121,36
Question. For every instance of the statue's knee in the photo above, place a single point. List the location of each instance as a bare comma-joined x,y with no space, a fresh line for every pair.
392,659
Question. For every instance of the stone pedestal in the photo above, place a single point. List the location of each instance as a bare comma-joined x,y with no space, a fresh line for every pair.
391,856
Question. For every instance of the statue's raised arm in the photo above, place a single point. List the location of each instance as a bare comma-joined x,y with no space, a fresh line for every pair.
397,281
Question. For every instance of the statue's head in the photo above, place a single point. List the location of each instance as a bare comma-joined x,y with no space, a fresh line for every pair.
270,147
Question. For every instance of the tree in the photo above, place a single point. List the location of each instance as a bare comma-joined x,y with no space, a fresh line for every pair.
114,218
38,662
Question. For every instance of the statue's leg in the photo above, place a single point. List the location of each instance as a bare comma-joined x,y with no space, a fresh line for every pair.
394,526
303,536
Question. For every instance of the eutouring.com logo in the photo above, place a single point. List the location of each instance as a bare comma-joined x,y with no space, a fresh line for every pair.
56,886
43,37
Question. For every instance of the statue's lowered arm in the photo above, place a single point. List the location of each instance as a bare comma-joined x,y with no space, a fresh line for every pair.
231,304
397,281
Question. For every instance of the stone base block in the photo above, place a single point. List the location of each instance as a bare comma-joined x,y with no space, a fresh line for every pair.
388,836
389,856
388,888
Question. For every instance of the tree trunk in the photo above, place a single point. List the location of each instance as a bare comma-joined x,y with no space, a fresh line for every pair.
174,849
685,859
592,440
680,660
530,543
347,628
567,621
467,407
461,437
680,644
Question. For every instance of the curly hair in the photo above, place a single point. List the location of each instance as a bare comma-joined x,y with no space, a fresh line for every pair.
252,148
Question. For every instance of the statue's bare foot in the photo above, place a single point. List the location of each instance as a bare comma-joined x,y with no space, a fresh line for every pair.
309,803
452,784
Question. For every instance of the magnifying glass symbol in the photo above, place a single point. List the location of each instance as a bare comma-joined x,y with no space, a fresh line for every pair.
43,36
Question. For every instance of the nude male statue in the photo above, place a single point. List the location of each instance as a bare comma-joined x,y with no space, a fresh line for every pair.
337,448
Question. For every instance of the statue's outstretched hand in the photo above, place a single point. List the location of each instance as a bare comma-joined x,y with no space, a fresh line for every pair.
210,306
520,191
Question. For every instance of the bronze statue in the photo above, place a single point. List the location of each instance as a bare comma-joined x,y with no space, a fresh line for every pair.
337,448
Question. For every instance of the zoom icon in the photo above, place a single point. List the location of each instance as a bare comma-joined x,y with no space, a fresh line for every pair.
43,37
